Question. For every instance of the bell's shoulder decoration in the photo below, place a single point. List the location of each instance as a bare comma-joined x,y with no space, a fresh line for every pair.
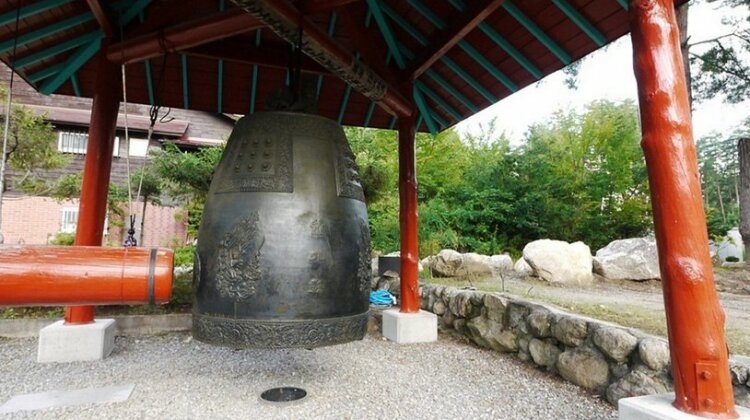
263,165
238,266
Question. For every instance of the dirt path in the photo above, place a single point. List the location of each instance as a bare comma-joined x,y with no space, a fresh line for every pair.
634,304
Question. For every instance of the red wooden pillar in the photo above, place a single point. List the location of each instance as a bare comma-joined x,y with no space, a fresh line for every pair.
93,205
695,319
407,188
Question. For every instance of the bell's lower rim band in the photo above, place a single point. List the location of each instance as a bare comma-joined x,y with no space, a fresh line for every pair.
279,333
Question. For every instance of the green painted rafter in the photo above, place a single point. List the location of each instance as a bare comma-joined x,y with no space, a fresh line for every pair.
535,30
581,22
256,71
55,49
185,82
84,53
30,10
385,30
149,82
48,30
424,111
504,44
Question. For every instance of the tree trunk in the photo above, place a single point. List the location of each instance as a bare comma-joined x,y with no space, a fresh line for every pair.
721,204
681,13
743,149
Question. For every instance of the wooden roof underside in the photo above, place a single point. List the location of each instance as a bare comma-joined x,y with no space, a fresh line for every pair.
465,60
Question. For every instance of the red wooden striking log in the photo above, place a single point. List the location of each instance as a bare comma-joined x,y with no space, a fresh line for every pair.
84,275
407,188
695,319
92,209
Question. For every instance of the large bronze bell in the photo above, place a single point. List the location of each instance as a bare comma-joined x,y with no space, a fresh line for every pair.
283,256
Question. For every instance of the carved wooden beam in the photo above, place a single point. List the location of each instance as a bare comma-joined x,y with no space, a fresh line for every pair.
238,52
285,20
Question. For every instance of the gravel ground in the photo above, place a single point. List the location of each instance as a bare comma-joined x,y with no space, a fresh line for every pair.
177,377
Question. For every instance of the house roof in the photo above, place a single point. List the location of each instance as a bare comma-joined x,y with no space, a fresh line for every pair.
463,55
82,117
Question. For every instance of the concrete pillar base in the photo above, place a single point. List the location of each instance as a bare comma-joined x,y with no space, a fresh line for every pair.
404,328
60,343
659,407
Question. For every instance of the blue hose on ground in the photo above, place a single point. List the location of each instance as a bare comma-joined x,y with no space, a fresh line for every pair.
382,297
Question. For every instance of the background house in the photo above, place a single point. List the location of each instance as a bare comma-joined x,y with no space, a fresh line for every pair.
37,219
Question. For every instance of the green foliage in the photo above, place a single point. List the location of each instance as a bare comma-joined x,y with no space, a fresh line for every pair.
723,69
187,176
183,256
63,238
576,177
32,145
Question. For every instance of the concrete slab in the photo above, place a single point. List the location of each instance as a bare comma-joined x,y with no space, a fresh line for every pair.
62,343
45,400
405,328
659,407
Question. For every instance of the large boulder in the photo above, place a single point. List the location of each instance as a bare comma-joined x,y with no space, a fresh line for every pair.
628,259
523,268
560,262
501,263
450,263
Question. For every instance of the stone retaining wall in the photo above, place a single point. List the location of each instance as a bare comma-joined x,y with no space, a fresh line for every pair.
609,359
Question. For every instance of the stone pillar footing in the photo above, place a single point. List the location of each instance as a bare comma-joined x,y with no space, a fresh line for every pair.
404,328
659,407
60,343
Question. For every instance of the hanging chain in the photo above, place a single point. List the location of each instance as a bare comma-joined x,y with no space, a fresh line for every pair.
8,109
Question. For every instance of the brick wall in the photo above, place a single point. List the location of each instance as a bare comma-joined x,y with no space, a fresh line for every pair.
36,220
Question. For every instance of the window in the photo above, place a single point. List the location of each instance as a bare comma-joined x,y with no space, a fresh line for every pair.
138,147
69,219
75,142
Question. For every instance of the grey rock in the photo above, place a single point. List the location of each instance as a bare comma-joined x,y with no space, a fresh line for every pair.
570,330
628,259
477,265
742,396
543,353
637,383
540,323
584,367
614,342
438,308
496,306
739,374
619,370
390,273
516,316
560,262
374,266
523,343
654,353
447,319
523,268
459,325
501,264
488,333
460,304
447,263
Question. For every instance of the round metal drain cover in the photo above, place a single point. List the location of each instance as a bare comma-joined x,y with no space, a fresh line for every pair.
284,394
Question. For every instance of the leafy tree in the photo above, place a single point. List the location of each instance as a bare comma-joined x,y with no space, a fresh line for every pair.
724,69
187,176
32,145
